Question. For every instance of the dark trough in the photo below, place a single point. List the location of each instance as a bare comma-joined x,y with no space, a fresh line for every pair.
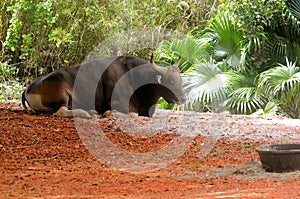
280,157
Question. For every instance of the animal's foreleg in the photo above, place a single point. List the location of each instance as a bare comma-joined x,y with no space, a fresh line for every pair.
64,112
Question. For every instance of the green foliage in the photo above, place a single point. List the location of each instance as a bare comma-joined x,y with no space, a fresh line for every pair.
239,44
205,85
283,37
282,84
243,97
253,16
163,104
60,36
10,88
246,146
216,74
229,41
270,110
247,38
38,37
292,13
191,50
257,20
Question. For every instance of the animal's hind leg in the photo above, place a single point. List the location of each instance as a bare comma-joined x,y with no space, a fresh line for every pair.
54,94
64,97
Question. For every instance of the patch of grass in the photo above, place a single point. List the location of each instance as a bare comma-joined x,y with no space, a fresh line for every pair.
284,142
186,165
196,165
219,152
247,146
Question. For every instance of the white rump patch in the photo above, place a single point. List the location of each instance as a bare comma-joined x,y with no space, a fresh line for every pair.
35,102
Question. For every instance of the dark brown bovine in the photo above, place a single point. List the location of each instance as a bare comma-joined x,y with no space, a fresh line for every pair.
125,83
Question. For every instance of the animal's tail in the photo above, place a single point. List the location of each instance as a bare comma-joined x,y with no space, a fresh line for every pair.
24,101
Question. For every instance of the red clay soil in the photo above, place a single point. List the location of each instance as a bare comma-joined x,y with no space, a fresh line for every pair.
43,157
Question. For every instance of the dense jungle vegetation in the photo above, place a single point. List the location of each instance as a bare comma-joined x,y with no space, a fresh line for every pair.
239,56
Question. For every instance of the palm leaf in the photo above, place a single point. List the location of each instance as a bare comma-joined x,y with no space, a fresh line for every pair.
229,40
205,84
270,110
243,96
281,80
283,39
277,48
191,49
294,8
282,84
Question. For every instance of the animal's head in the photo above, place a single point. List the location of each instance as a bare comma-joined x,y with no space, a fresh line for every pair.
170,79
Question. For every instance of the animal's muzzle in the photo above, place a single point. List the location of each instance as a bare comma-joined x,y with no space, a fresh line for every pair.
181,99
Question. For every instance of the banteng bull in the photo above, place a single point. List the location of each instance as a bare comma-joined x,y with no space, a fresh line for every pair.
125,83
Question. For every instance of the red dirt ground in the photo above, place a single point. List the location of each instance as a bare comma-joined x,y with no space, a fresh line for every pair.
43,157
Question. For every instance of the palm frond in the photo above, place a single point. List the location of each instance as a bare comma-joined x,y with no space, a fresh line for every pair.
270,110
294,8
244,101
281,80
277,48
229,40
282,36
205,84
243,97
282,84
191,49
291,10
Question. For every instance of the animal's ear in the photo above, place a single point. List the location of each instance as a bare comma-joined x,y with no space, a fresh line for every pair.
158,77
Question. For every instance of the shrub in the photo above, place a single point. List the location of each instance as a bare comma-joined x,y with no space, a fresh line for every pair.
10,88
